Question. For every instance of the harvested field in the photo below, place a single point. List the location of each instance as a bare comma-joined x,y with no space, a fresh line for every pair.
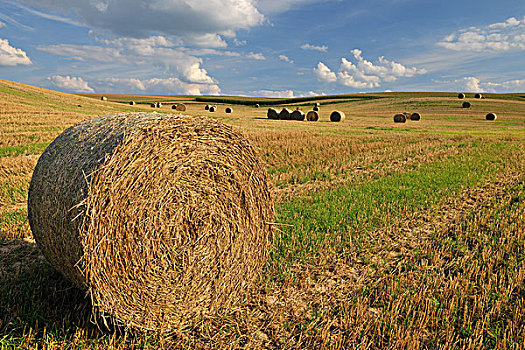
388,235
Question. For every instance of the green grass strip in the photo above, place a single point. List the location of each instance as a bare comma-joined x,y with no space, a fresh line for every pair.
350,211
18,150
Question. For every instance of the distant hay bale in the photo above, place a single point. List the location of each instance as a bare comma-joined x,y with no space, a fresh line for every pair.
466,104
478,96
415,116
312,116
272,114
207,107
153,105
461,95
213,109
285,114
317,104
337,116
228,110
257,105
298,108
181,107
491,116
132,103
316,108
400,118
103,98
173,106
297,115
159,104
163,219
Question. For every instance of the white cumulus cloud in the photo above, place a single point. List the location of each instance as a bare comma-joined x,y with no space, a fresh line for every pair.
154,51
324,74
504,36
364,74
285,58
322,48
72,84
176,86
11,56
196,22
256,56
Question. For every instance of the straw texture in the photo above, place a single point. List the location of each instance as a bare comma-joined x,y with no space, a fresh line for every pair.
162,218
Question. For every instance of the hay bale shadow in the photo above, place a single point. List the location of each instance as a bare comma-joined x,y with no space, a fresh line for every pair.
33,295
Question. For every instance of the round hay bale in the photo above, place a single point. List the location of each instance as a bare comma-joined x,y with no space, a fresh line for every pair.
103,98
312,116
257,105
478,96
400,118
228,110
316,108
272,114
181,107
461,95
207,107
213,109
317,104
159,104
132,103
153,105
285,114
337,116
163,219
491,116
173,106
466,104
297,115
415,116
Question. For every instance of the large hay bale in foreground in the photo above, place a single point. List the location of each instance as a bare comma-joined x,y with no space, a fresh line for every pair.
337,116
161,218
297,115
285,114
272,114
466,104
181,107
491,116
312,116
415,116
400,118
461,95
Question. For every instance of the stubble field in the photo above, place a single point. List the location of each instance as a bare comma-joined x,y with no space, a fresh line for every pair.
389,235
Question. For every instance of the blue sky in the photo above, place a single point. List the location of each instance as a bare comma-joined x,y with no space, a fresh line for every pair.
264,47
